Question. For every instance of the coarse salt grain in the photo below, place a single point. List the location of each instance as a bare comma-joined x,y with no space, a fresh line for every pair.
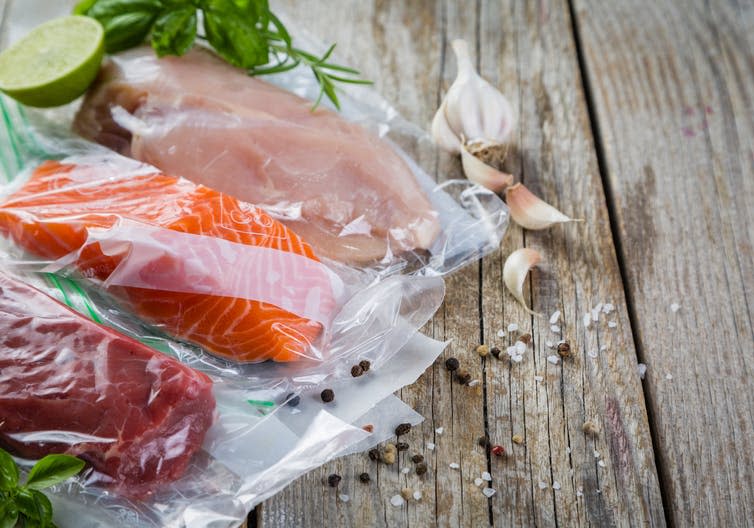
542,484
555,485
489,492
418,495
603,348
601,463
568,450
405,470
642,369
596,454
520,347
580,492
609,307
538,378
553,359
486,476
511,350
474,383
478,481
501,333
517,358
599,492
397,500
430,446
344,497
439,430
454,465
668,376
549,344
587,320
555,317
555,329
513,327
675,307
612,324
595,315
592,354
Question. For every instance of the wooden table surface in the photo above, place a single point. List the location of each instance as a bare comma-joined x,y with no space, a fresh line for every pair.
637,116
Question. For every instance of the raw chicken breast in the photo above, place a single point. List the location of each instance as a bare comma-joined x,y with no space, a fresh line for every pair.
347,192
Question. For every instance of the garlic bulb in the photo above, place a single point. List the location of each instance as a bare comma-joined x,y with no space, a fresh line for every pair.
531,212
472,109
478,172
515,269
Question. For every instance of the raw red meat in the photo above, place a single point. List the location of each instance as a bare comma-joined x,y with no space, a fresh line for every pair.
69,385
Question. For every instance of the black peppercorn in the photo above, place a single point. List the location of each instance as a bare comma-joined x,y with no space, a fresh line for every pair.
564,349
292,400
356,371
525,338
333,480
364,477
452,364
327,395
365,365
374,454
402,446
402,429
421,468
495,352
463,377
417,458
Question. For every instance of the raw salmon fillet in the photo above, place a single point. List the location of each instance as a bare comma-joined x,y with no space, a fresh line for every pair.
69,385
54,213
346,191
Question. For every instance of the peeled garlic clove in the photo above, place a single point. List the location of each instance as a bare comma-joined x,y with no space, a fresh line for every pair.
515,269
474,108
530,212
442,135
479,172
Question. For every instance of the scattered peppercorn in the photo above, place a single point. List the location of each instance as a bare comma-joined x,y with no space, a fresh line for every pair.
356,371
369,428
483,350
525,338
590,428
421,468
452,364
402,429
498,450
375,454
389,457
292,400
327,395
365,365
564,349
364,477
407,493
402,446
495,352
518,439
463,376
417,458
333,480
483,441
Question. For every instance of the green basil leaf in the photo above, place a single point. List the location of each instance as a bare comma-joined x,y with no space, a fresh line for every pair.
44,505
28,506
8,471
83,7
127,22
8,517
234,34
52,470
174,31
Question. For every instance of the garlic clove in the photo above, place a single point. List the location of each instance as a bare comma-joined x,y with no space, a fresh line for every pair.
474,108
530,212
442,134
515,269
479,172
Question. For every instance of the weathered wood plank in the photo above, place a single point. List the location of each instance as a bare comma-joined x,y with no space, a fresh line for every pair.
529,51
673,91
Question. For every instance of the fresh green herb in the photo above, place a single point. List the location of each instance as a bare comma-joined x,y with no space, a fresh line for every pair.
246,33
26,503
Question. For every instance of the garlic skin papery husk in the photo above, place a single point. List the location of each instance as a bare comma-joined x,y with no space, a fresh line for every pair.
531,212
515,269
479,172
472,109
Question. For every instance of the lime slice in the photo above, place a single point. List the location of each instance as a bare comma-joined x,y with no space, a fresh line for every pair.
55,63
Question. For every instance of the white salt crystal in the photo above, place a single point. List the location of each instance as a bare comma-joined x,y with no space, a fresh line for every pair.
553,359
580,492
568,450
596,454
486,476
555,317
453,465
612,324
489,492
517,358
555,485
599,491
511,350
397,500
592,354
587,320
439,430
675,307
642,368
501,333
520,347
513,327
472,383
478,481
538,378
601,463
555,329
549,344
542,484
430,446
595,315
344,497
668,376
609,307
418,495
405,470
603,348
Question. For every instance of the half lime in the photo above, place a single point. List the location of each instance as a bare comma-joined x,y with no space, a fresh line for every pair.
55,63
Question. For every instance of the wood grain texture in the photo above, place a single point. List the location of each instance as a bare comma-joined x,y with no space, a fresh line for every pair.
528,50
673,91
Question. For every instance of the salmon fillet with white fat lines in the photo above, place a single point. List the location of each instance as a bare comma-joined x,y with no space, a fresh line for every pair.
346,191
